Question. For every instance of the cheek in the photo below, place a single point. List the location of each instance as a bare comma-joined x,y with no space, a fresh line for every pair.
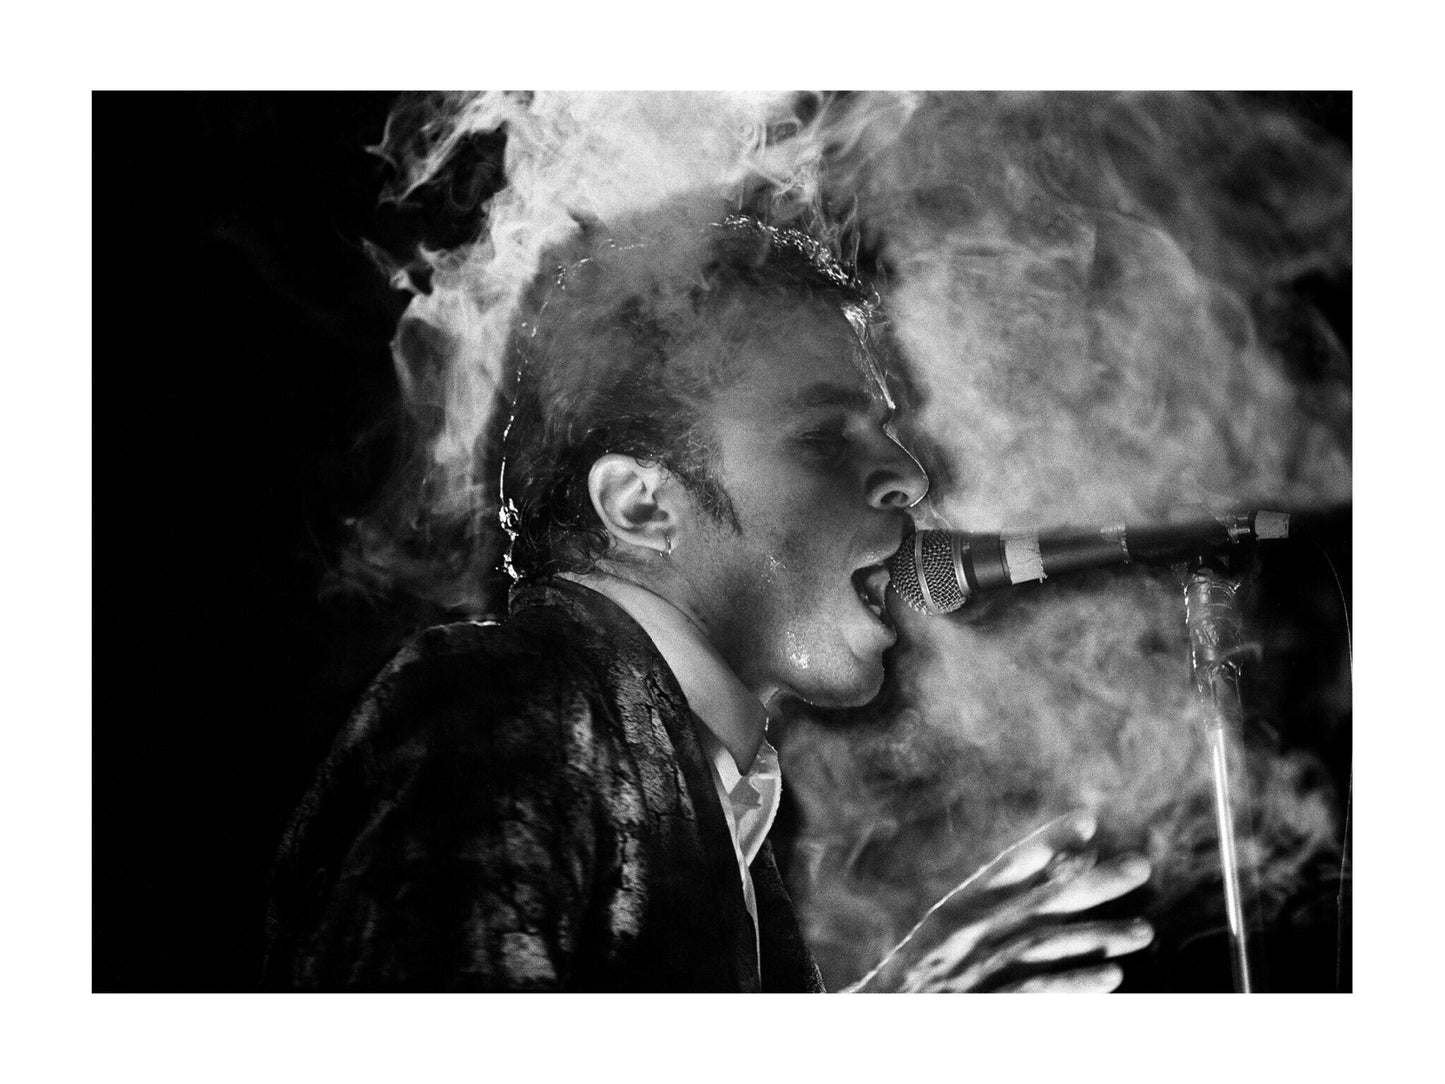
793,539
773,548
813,556
773,570
788,578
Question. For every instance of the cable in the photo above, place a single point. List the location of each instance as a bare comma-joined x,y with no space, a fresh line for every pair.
1350,795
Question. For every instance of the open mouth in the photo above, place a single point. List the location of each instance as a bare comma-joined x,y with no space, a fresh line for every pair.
871,584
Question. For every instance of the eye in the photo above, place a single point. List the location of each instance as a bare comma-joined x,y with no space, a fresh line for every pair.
829,438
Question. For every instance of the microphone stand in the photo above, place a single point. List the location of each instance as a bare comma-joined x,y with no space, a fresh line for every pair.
1215,620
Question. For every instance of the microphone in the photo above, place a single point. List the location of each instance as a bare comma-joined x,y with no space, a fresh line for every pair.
936,571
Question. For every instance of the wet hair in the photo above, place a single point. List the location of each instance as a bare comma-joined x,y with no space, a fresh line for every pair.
621,345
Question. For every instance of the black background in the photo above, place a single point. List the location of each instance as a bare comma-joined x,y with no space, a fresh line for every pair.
243,385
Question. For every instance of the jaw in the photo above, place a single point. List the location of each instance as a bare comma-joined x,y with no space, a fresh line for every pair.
818,643
837,699
840,672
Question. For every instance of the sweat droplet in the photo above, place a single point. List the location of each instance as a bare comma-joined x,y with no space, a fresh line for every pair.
797,651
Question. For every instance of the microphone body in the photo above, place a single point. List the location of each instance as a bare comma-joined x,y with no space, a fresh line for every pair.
936,571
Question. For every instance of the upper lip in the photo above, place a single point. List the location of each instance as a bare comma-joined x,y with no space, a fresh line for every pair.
881,551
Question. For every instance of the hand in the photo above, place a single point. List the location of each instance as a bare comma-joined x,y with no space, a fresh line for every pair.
1004,929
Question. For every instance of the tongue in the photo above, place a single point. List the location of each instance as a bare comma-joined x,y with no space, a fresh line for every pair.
872,584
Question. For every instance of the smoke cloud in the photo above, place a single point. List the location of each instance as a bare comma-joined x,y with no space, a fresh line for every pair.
1095,304
1086,286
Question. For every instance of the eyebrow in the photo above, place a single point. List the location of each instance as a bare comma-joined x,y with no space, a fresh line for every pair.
825,394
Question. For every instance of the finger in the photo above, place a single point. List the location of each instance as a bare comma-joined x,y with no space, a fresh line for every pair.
1106,881
1097,939
1001,917
1086,980
947,960
1035,851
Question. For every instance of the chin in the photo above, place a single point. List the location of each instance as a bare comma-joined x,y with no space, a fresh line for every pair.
847,690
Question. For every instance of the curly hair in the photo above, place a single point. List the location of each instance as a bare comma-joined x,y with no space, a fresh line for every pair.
620,347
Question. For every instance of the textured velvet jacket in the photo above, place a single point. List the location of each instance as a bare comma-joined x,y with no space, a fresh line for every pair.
525,806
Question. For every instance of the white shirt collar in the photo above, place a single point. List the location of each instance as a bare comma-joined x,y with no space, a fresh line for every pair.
750,800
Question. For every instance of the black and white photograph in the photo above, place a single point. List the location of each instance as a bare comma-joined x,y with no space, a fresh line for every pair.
700,542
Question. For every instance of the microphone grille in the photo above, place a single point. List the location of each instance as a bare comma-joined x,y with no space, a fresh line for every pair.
935,556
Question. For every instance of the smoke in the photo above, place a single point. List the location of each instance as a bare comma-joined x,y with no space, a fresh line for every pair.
1088,286
571,159
1098,300
1074,695
1100,309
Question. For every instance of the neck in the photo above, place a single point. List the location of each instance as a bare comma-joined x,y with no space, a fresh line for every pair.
734,711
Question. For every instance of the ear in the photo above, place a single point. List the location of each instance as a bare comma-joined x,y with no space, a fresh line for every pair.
634,500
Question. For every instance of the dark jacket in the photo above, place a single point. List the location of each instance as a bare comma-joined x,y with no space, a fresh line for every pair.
524,806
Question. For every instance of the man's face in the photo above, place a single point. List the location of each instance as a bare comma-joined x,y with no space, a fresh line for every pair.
820,490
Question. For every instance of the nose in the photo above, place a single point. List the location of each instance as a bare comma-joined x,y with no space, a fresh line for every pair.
897,480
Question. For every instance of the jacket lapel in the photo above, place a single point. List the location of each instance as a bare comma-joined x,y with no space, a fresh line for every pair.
723,893
726,893
788,966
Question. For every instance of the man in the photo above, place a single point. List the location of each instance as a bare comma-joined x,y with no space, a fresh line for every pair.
701,483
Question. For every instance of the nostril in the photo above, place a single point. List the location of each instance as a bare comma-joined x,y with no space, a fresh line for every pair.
895,492
899,481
